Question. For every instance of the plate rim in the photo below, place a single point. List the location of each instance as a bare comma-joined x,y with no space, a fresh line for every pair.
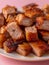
18,59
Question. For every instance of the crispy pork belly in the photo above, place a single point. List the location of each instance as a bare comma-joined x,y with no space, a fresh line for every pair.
4,35
46,9
40,20
4,32
2,39
15,32
8,10
39,47
47,17
11,18
31,33
29,6
34,12
43,26
23,20
24,49
2,20
9,45
45,35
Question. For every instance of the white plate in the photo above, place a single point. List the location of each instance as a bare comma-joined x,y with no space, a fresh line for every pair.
31,57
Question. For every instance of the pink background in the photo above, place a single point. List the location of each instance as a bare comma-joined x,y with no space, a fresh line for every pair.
20,3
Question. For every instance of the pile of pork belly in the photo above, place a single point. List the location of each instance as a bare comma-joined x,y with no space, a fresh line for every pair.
25,31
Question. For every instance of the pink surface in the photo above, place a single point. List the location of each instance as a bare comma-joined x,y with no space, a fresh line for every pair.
20,3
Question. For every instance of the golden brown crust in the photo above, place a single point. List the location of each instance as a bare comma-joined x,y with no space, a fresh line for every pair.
23,49
9,45
40,20
2,20
31,33
45,35
15,32
4,32
43,26
46,9
47,17
36,11
31,36
3,35
39,47
11,18
8,10
23,20
2,39
29,6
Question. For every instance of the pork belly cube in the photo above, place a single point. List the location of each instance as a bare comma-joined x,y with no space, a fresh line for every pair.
4,32
40,20
29,13
47,17
35,11
8,10
45,35
39,47
2,29
43,26
23,49
10,18
2,20
2,39
29,6
9,45
15,32
46,8
4,35
23,20
31,33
